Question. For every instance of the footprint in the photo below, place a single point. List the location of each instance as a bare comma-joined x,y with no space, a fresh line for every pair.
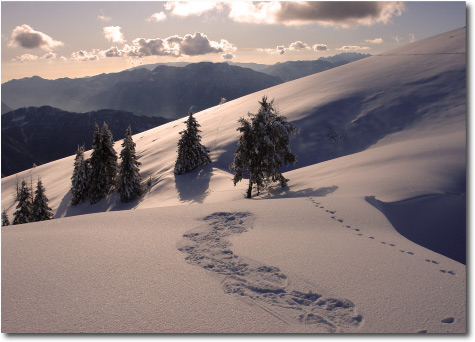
322,207
359,234
443,271
411,253
402,251
207,246
392,244
424,331
451,272
383,242
357,229
435,262
428,260
448,320
348,226
371,237
340,220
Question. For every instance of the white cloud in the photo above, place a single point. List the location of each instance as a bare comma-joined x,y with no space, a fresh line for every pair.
26,37
228,56
174,46
156,17
412,37
114,34
328,13
278,50
374,41
185,8
320,47
26,58
398,39
82,55
104,18
114,51
353,48
50,55
298,45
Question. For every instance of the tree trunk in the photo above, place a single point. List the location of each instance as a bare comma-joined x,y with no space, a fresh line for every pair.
249,190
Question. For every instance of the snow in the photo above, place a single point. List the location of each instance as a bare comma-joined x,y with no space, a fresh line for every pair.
342,229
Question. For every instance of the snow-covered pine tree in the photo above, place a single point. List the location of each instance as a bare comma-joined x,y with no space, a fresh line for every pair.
263,147
41,211
5,220
103,164
80,178
23,214
129,173
191,154
110,156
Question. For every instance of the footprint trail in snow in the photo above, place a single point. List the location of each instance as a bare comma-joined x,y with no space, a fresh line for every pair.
259,284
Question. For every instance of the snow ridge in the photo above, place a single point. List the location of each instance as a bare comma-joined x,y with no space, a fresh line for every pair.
262,285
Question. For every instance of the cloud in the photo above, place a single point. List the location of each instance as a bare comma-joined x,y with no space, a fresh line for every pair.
398,39
353,48
320,47
25,58
82,55
227,56
328,13
104,17
185,9
28,38
412,37
175,46
50,55
114,34
156,17
374,41
298,45
278,50
114,51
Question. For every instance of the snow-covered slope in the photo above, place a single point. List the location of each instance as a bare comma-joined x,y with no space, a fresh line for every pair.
403,115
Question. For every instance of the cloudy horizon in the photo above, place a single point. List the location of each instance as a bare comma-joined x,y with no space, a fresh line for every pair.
77,39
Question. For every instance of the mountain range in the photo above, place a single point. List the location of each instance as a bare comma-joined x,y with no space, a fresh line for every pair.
162,89
34,135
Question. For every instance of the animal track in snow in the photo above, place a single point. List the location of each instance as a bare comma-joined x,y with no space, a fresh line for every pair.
448,320
262,285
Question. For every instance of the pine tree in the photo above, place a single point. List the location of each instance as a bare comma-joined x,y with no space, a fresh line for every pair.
103,164
23,214
80,178
191,154
129,173
263,148
5,220
40,211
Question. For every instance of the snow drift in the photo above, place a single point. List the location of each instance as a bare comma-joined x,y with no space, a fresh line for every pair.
401,121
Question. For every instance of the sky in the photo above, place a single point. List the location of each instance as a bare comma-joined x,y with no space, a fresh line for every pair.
57,39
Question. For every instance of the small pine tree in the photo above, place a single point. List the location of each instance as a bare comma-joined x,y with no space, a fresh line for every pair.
191,154
129,173
103,164
80,178
5,220
263,147
40,211
23,214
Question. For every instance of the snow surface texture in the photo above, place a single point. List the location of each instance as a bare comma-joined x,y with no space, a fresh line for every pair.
403,115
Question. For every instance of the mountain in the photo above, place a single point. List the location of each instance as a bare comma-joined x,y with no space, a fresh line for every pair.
369,236
164,91
292,70
41,135
344,57
5,108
